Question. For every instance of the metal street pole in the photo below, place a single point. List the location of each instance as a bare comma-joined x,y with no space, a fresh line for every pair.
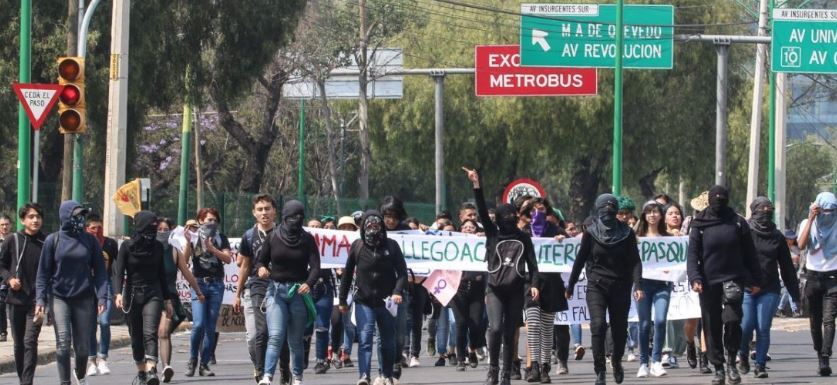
300,189
439,138
78,150
779,149
617,102
24,76
185,150
117,123
755,118
771,130
722,48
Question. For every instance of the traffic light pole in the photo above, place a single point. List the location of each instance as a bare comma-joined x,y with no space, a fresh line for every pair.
617,103
24,163
78,150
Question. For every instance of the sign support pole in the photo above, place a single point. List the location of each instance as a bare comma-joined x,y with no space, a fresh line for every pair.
771,130
36,156
439,138
722,49
185,150
617,103
23,138
300,181
755,119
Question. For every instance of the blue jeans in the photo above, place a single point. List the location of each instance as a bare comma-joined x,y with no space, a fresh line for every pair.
786,301
349,331
445,332
204,318
758,315
103,321
73,317
322,323
657,294
286,318
575,330
367,317
401,331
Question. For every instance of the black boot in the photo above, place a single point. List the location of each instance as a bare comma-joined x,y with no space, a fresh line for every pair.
545,368
515,371
825,369
190,367
704,364
743,363
141,378
618,372
493,374
720,376
601,378
691,355
505,377
534,373
732,372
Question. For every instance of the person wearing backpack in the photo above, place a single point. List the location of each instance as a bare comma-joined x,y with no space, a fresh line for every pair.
73,282
721,262
19,259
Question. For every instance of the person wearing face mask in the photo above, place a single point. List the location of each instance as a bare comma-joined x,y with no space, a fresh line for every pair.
468,306
144,295
19,257
819,236
381,277
508,252
721,262
208,251
172,263
773,256
608,253
94,226
291,260
73,281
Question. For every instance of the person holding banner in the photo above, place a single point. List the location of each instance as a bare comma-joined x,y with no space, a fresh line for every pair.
381,280
657,294
140,264
819,236
291,260
608,252
468,307
721,262
773,256
507,250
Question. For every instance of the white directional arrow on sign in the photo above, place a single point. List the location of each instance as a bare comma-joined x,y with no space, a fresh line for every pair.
539,38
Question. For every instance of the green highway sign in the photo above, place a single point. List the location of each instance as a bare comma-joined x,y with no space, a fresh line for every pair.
584,35
804,40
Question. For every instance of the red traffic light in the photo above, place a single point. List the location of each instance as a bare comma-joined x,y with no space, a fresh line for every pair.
70,95
70,120
69,69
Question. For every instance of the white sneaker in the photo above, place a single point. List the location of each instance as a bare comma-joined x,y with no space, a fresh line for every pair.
643,371
666,361
297,381
91,369
103,368
631,357
83,381
378,380
265,380
657,369
414,362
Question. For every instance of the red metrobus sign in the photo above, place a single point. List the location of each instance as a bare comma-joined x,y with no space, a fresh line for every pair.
498,73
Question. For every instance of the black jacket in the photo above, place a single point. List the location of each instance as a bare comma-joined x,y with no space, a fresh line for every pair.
617,262
723,252
774,257
550,285
26,270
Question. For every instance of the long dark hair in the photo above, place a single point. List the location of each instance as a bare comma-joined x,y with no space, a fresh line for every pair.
642,224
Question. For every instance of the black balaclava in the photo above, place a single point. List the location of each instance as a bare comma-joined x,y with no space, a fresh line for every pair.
761,220
606,229
373,230
290,231
506,219
718,210
145,232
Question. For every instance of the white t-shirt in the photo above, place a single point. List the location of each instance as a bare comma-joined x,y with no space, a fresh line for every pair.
816,259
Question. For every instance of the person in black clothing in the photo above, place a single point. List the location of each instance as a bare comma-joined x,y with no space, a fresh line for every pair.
608,253
773,256
140,264
381,278
468,306
291,260
721,262
394,214
507,250
18,266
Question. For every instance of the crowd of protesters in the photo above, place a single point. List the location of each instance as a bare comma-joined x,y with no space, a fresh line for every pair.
745,271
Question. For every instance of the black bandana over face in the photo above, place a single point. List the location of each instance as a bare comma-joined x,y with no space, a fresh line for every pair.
290,231
145,223
606,229
506,219
373,233
762,215
718,211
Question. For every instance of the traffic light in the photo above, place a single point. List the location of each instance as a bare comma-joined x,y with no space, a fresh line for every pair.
72,114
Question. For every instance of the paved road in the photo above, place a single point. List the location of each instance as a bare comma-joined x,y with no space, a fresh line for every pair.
793,363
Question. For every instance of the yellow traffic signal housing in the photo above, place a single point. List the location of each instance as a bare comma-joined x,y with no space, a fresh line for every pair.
72,113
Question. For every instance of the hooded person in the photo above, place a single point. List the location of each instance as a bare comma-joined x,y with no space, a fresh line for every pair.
290,259
140,265
508,254
818,235
609,255
381,278
722,261
71,278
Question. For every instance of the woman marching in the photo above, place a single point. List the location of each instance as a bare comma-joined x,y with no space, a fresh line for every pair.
381,276
608,253
507,251
291,260
140,263
819,236
773,256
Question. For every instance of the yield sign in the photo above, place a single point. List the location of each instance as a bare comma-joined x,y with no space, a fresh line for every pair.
37,100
